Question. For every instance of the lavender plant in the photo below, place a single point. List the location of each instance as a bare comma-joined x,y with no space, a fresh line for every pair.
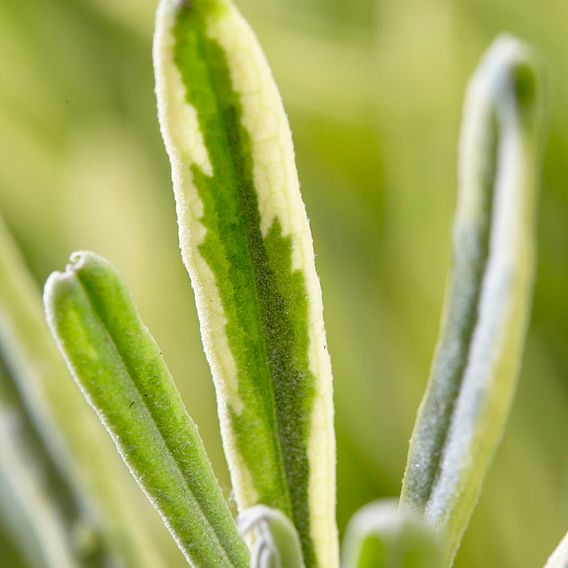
246,243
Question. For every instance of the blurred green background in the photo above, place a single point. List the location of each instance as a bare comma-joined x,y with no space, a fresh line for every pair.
374,90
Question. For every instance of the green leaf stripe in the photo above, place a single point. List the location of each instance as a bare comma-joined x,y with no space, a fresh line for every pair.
246,243
120,369
462,416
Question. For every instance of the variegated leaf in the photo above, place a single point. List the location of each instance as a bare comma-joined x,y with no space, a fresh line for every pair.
246,243
461,419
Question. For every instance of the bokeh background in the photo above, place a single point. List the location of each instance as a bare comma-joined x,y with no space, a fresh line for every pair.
374,90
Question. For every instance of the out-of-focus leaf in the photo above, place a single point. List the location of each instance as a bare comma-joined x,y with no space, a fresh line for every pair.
121,371
461,419
13,553
382,536
55,529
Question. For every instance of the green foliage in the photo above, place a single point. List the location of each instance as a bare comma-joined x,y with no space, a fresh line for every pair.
247,246
38,494
63,490
31,471
462,417
246,242
277,544
382,536
263,299
120,369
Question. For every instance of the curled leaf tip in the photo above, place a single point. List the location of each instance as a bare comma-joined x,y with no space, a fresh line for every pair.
277,543
120,370
508,78
246,243
79,258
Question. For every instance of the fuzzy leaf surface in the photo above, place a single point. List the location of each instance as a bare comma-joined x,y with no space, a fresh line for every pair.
120,370
462,416
246,243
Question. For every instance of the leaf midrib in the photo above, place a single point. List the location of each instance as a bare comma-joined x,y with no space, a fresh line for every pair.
245,227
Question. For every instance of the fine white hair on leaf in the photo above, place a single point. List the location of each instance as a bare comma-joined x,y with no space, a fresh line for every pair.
462,415
274,187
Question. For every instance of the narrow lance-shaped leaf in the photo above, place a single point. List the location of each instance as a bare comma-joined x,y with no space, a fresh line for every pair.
246,243
120,370
462,416
381,536
559,558
86,478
